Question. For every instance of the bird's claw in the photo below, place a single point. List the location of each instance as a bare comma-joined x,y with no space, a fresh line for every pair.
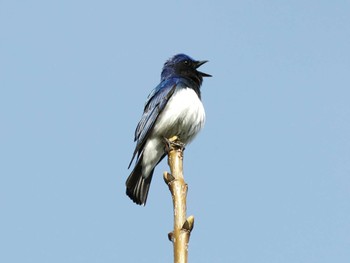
173,143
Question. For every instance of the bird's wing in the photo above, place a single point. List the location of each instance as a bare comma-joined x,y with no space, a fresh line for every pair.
155,104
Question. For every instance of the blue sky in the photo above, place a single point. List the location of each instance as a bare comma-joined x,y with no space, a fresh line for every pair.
268,176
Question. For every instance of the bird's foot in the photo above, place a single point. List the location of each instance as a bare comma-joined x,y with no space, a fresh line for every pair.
174,143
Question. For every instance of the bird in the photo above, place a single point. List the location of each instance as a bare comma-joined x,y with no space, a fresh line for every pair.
173,108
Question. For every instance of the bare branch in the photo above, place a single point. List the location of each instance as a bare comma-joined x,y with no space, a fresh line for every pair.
182,227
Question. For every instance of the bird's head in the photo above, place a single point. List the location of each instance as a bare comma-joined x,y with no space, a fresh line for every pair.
184,66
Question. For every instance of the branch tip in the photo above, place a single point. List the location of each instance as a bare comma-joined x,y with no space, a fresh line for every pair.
173,139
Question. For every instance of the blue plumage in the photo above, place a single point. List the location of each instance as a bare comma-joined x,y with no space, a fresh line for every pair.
172,108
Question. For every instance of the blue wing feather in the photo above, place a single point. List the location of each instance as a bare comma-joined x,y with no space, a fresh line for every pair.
155,104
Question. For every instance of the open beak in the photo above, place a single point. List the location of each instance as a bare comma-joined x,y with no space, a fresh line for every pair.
200,63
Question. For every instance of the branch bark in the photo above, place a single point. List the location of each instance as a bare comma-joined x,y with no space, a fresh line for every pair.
175,180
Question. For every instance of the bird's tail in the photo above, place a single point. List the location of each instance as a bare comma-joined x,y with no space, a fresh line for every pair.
137,186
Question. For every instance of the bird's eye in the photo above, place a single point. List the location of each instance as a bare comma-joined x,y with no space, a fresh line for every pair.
186,62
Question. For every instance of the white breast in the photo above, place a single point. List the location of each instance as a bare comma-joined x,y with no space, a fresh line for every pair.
183,116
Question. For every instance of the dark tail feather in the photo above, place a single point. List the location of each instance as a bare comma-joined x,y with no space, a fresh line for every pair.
137,186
